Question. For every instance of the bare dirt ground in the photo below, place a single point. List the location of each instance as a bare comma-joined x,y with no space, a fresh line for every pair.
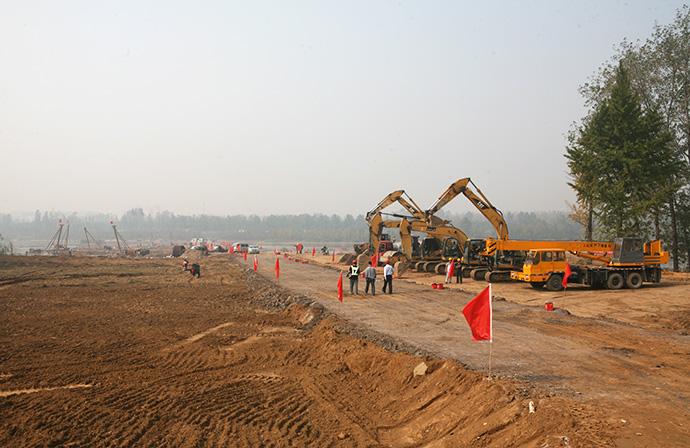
121,352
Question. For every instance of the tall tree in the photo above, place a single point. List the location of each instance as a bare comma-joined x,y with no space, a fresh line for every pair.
619,162
659,69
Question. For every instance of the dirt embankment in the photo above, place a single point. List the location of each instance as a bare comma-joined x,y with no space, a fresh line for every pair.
118,352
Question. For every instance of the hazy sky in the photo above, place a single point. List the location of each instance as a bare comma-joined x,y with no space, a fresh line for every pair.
289,107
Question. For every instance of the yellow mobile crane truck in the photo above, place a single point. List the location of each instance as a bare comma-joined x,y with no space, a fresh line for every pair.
626,262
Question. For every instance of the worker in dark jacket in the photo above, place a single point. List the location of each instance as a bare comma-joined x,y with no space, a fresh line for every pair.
370,277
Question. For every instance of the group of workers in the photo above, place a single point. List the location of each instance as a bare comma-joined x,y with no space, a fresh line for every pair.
370,277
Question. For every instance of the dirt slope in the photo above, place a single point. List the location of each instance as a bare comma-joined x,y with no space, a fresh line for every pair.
626,352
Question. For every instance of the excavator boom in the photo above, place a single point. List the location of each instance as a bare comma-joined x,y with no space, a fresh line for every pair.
403,199
480,201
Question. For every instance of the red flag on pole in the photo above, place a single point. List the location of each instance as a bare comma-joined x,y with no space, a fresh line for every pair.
256,262
275,251
313,251
567,274
340,287
375,260
245,255
277,267
451,269
232,249
478,315
333,256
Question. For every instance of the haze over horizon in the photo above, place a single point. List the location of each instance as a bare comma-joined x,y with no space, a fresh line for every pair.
225,108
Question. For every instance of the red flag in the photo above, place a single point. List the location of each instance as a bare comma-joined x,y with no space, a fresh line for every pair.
232,249
451,268
567,274
275,251
256,262
375,260
313,251
277,267
333,256
245,255
340,287
478,315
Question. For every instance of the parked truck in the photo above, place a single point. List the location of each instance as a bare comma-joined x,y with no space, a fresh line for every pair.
630,263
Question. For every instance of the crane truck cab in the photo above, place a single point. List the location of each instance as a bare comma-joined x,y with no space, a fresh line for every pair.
543,267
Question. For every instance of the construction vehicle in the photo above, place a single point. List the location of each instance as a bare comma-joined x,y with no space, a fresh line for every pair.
443,240
381,243
475,263
375,221
625,262
426,255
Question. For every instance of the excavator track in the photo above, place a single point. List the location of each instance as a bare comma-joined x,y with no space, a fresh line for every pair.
479,273
497,276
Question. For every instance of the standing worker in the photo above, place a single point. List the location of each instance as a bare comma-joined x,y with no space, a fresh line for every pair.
370,277
449,271
388,277
458,271
353,273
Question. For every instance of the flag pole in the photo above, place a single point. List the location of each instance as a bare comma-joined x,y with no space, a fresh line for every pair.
491,339
491,346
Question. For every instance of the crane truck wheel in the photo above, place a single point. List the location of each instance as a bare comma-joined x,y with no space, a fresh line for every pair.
634,280
615,281
554,283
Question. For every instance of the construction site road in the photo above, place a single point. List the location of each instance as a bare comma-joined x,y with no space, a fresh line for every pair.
626,350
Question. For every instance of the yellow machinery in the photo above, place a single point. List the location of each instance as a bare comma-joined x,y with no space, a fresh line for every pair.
428,256
475,263
627,262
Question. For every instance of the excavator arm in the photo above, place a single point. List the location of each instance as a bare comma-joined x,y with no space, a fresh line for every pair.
480,201
403,199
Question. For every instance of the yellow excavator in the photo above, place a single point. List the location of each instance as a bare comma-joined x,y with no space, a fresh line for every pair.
378,241
475,262
427,254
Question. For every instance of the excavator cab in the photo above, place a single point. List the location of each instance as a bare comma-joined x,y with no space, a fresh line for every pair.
473,249
452,248
431,248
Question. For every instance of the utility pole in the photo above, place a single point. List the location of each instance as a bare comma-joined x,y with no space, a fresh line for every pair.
117,237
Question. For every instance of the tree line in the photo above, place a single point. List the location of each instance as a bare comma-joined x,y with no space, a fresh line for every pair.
136,226
629,157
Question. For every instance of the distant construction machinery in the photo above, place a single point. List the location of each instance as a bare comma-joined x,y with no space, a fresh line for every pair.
626,262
